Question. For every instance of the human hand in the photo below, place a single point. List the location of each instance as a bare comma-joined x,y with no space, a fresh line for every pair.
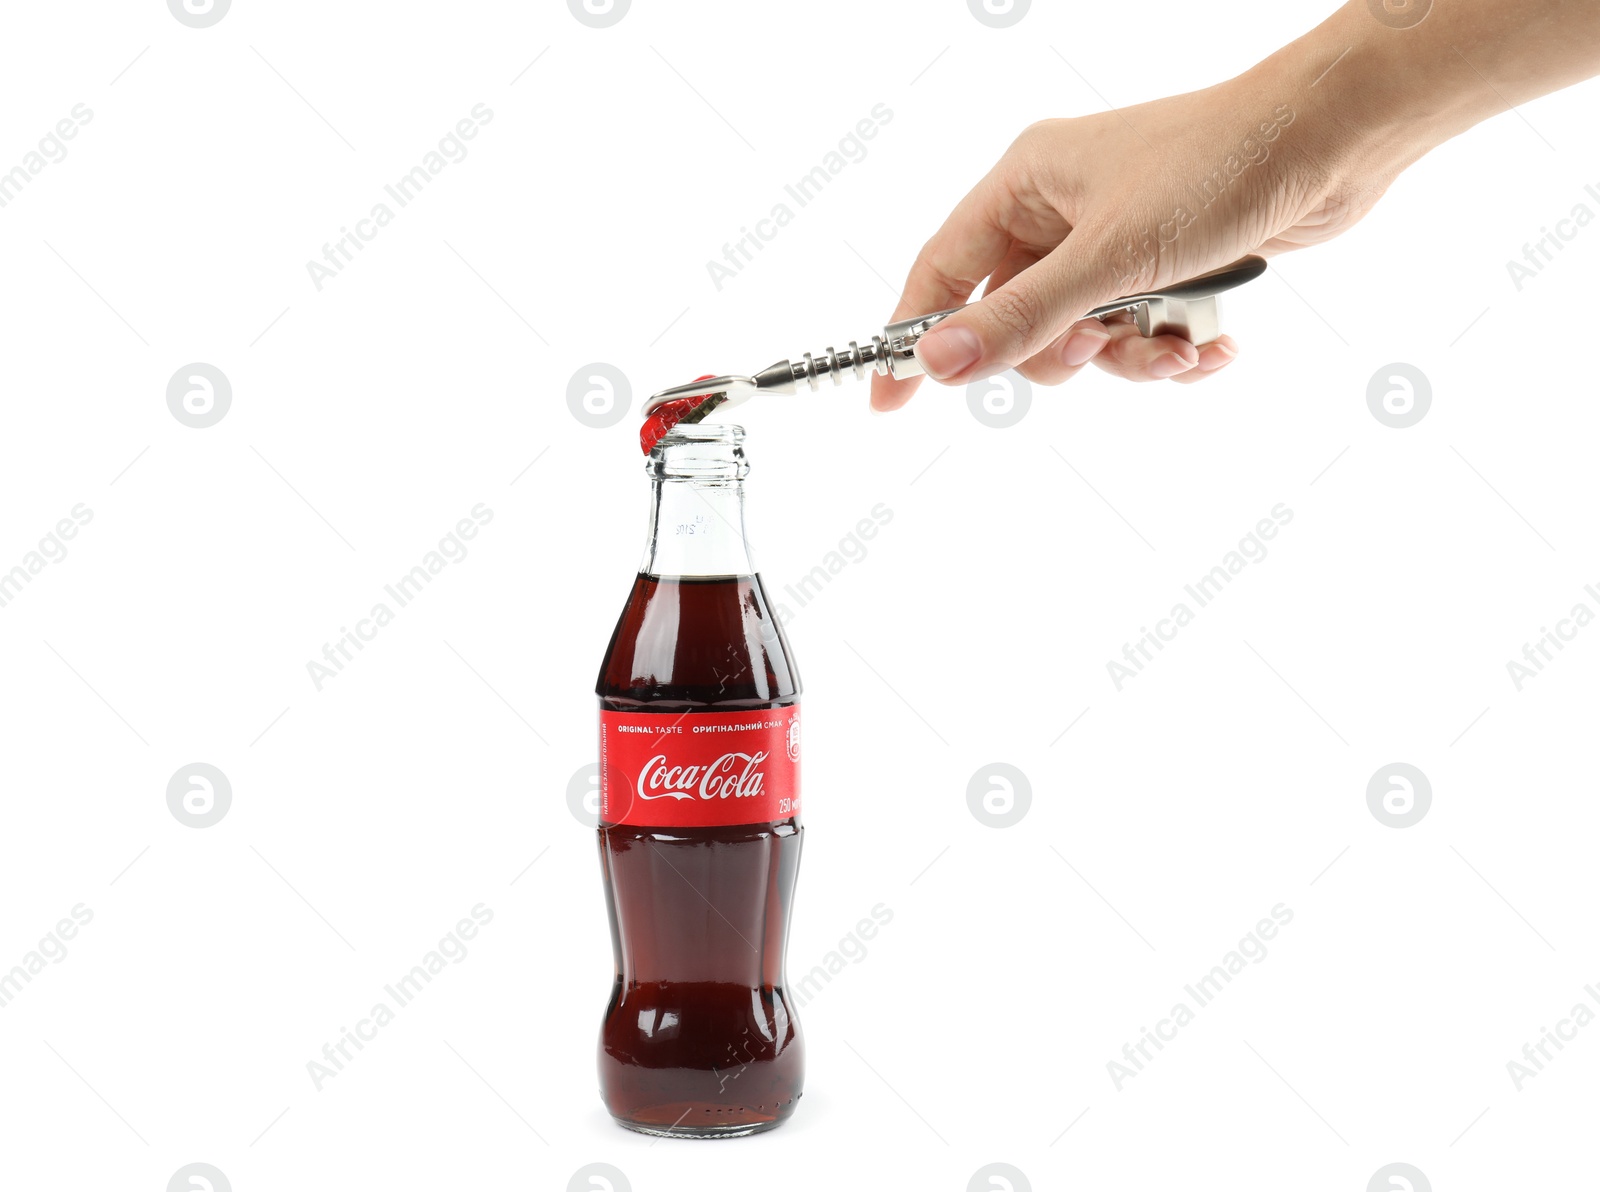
1080,212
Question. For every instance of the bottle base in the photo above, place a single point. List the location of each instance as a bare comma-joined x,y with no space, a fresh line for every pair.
699,1132
680,1123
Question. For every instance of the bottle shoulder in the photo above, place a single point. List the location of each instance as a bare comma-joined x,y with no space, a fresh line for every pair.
685,642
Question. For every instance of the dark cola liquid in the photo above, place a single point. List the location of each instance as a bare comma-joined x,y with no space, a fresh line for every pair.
699,1038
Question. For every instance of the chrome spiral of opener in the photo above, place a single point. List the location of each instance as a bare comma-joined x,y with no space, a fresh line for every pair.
1188,309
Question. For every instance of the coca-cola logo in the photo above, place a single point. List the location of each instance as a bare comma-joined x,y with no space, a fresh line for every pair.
731,776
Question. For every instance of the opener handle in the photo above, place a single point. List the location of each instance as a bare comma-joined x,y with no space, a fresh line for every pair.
1188,309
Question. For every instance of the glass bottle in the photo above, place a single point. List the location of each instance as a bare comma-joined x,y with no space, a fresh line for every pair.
699,829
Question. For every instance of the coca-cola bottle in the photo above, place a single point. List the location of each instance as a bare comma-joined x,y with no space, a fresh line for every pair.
699,816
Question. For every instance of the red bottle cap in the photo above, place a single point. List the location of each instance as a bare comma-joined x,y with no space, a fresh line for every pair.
667,416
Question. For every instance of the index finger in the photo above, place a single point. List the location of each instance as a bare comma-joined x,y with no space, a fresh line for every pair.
967,248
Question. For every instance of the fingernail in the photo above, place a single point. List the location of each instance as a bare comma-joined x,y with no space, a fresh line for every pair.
1214,356
1082,346
946,351
1170,365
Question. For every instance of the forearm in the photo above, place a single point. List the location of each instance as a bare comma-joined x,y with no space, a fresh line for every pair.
1399,91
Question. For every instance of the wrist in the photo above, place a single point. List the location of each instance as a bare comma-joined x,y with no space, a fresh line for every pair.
1373,97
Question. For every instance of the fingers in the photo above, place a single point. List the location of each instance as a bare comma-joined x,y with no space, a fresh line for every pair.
1064,358
1018,257
965,250
1118,348
890,394
968,248
1214,357
1132,357
1016,321
1162,357
1025,319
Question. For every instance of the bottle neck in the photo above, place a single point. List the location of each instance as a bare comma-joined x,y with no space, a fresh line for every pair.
697,529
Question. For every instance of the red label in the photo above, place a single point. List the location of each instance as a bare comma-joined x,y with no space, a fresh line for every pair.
700,769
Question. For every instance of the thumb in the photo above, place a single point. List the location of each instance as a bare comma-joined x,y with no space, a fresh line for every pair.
1023,316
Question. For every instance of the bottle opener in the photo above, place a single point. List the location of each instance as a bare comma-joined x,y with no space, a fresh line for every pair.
1188,309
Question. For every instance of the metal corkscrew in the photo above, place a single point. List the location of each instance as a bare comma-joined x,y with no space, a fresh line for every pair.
1188,309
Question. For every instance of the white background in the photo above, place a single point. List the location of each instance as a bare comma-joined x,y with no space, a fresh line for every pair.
367,418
